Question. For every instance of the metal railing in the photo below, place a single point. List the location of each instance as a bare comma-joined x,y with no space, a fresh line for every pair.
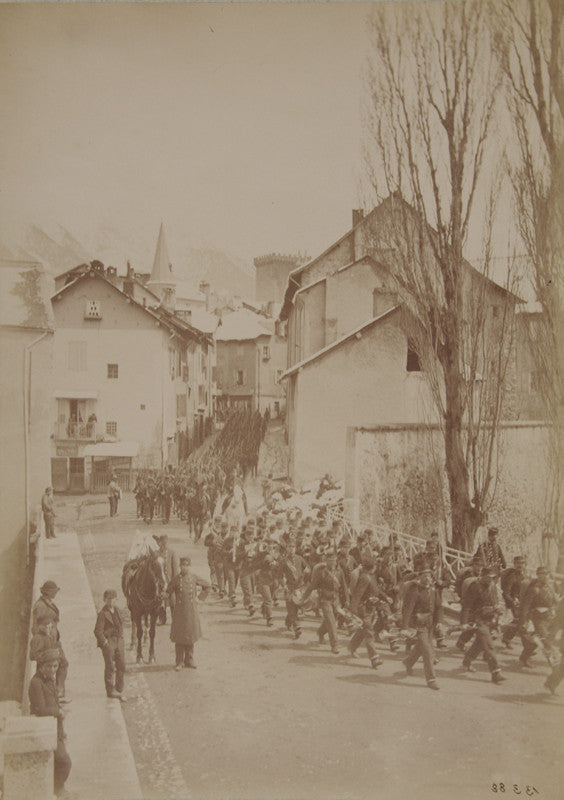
409,545
76,430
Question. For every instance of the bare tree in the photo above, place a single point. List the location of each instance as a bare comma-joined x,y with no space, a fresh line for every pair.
432,83
529,42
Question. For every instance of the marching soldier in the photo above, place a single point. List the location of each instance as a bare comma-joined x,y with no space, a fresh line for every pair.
245,557
294,571
364,599
538,606
491,553
328,580
513,581
482,606
419,613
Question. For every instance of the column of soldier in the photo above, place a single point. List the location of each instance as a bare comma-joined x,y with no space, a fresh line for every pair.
376,596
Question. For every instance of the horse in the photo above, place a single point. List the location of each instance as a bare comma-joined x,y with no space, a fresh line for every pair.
143,584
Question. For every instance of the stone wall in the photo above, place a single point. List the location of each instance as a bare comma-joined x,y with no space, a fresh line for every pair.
397,475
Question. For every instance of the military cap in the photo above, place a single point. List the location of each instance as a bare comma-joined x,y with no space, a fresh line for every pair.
185,560
493,531
519,560
542,571
488,572
49,586
48,655
109,593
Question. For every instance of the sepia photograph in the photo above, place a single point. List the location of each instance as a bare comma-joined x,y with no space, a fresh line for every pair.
282,400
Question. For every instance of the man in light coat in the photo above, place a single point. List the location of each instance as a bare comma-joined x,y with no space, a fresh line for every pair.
185,629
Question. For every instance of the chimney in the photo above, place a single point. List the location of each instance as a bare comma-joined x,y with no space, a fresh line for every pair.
168,300
357,216
205,289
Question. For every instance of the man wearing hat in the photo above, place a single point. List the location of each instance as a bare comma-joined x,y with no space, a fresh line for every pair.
43,702
538,607
45,608
185,629
491,553
48,508
329,582
420,613
364,599
109,638
482,605
513,581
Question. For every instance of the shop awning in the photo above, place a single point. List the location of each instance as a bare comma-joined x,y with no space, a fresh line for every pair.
112,449
76,394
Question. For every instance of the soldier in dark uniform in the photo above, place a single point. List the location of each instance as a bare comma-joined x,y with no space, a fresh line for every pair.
557,626
109,638
48,508
267,565
513,580
294,571
538,606
491,553
482,606
465,578
328,580
210,540
419,612
43,702
245,556
365,597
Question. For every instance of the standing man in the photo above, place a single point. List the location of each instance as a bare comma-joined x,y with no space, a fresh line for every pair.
46,610
114,495
491,553
185,629
109,637
420,612
48,508
43,702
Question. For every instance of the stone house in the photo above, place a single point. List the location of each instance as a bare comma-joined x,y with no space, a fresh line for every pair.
132,383
352,358
251,357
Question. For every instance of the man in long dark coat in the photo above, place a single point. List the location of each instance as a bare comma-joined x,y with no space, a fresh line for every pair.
185,629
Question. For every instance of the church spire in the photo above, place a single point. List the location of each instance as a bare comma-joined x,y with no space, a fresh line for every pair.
162,268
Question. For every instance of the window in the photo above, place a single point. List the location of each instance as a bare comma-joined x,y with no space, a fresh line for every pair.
111,428
201,394
142,406
77,356
266,352
240,377
495,311
181,405
279,373
413,363
112,370
92,310
185,373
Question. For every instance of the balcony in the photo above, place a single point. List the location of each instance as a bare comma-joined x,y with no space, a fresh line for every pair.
77,431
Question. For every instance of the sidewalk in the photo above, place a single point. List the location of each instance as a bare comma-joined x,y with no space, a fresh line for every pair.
98,744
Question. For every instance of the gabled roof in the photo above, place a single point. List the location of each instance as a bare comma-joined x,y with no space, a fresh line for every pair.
294,277
354,334
171,321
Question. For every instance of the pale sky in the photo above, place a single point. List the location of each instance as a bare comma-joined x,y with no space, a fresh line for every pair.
238,125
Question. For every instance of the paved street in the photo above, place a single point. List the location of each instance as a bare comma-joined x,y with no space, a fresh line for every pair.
266,717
